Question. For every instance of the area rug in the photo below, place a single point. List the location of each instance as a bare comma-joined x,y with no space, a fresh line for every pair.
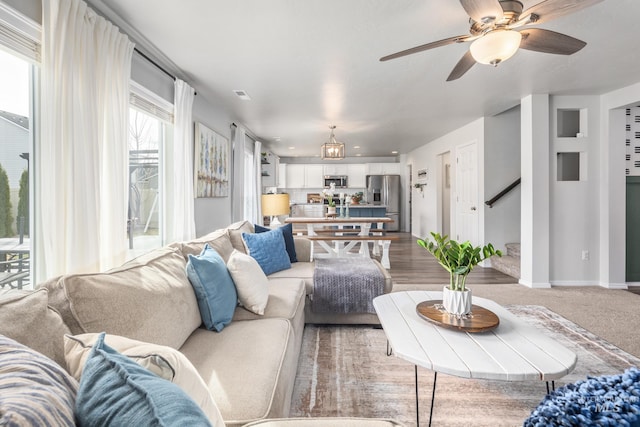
344,371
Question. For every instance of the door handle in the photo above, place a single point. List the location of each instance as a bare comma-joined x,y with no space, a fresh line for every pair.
473,208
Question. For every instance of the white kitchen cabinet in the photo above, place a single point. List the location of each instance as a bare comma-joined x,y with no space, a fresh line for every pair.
295,175
335,169
282,175
356,174
314,177
304,176
384,169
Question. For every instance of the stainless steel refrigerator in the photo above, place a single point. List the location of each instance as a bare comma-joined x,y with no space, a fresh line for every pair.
385,190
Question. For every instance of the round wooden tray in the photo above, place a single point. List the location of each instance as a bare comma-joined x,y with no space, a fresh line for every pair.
480,319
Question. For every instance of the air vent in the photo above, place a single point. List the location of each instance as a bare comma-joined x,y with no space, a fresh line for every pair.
242,95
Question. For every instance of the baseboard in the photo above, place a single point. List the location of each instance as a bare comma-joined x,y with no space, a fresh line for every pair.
617,286
532,285
577,283
571,283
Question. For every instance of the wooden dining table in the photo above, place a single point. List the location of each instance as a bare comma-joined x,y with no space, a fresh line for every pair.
339,235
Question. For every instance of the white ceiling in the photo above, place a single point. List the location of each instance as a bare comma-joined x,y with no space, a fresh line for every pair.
309,64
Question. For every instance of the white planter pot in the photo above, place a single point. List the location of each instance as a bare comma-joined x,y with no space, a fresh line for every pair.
331,210
457,303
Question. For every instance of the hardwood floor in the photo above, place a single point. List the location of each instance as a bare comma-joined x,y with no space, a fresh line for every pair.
411,264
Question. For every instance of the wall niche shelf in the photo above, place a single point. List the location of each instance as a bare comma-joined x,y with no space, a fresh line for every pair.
571,166
571,123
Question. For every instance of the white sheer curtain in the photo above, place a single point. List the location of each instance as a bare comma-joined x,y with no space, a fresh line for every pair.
237,185
257,182
81,162
247,179
180,194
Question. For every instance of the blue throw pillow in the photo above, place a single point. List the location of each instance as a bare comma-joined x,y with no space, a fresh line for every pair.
115,390
214,288
289,243
268,249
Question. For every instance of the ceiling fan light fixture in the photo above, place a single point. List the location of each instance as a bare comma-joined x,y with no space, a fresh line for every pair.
496,46
332,150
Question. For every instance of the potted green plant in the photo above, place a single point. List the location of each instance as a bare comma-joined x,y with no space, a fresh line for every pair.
458,259
356,198
328,194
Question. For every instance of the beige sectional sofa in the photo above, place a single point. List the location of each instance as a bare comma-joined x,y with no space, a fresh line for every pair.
249,367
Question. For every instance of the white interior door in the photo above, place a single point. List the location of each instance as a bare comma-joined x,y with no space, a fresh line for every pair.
467,193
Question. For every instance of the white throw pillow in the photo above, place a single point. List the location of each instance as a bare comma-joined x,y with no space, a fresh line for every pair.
251,283
166,362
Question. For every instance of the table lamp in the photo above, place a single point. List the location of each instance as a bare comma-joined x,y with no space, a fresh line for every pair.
274,205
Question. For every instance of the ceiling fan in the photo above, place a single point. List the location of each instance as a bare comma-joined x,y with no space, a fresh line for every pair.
500,27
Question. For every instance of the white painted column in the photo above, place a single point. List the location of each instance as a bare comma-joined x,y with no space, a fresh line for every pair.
613,200
535,160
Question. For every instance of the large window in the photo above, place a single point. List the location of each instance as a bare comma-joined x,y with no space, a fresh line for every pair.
150,129
16,142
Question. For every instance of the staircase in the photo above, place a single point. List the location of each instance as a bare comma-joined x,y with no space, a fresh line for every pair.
508,263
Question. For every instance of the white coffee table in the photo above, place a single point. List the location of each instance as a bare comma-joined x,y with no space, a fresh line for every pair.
514,351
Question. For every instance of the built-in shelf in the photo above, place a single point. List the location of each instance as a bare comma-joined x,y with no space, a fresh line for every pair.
571,166
571,123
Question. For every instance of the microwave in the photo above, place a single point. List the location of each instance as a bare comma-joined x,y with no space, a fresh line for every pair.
340,181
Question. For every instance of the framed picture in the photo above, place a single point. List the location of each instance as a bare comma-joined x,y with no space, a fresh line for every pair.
211,163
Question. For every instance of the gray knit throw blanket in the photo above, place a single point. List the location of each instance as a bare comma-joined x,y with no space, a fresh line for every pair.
346,285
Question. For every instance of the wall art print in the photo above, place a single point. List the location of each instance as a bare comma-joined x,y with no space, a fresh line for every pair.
211,164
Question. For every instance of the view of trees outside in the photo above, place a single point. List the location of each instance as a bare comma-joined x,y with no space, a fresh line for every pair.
145,142
15,149
14,133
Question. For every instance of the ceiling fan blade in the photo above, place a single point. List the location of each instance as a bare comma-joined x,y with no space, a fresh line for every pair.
551,9
547,41
464,65
444,42
483,10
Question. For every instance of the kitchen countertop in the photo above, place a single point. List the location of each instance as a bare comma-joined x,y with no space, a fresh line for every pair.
337,204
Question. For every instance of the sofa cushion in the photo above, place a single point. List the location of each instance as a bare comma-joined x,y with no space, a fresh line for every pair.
148,299
250,281
214,288
34,390
163,361
287,232
217,240
299,270
286,299
249,367
268,249
114,390
21,310
235,231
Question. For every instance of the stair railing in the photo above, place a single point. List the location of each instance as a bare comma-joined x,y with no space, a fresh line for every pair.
501,194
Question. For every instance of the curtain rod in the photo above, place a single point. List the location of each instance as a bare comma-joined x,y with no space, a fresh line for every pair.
158,66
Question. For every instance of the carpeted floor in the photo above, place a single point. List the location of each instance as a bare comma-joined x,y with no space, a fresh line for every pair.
343,371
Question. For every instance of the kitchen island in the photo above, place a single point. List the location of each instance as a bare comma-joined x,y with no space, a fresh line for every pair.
318,210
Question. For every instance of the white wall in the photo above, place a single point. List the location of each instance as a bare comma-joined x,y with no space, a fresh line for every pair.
502,167
426,206
574,205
